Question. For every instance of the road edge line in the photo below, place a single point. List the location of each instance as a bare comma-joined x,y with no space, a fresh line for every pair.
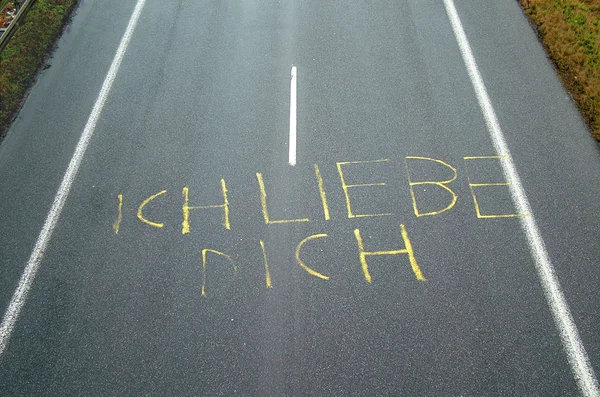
19,297
563,319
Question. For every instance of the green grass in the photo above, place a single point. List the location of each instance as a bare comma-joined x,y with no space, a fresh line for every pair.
570,31
26,52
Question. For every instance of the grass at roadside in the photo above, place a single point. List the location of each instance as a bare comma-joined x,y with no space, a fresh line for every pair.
570,31
26,52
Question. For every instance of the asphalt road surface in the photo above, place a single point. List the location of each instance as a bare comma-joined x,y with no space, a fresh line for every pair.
437,235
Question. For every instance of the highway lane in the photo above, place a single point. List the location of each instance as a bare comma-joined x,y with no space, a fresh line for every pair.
205,98
49,126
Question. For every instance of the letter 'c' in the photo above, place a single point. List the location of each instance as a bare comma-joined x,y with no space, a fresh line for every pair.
301,263
141,207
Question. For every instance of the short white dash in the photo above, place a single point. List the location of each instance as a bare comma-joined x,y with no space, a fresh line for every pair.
293,110
20,295
576,354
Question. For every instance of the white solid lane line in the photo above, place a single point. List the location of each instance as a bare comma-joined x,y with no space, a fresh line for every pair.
20,295
577,356
293,107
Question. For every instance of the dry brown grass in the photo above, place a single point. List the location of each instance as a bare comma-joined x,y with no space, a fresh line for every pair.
7,14
570,31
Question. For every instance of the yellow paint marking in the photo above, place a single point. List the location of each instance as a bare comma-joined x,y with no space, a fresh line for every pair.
441,184
302,264
185,226
119,215
141,207
263,202
267,272
322,192
204,252
408,249
346,186
474,185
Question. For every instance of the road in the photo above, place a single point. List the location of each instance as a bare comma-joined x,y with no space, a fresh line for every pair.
406,252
